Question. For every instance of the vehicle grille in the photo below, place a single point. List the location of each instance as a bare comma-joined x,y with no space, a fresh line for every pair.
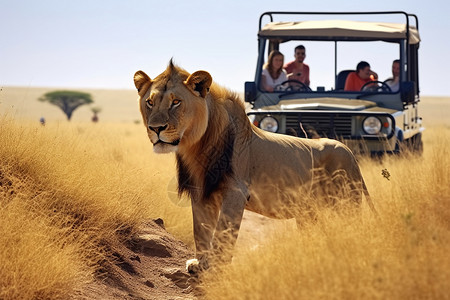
320,125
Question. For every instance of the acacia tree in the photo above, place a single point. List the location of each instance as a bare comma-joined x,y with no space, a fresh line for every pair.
95,110
67,101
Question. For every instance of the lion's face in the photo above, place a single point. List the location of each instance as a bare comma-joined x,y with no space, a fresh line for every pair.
173,107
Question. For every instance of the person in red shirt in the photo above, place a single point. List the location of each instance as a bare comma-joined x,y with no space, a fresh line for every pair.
363,74
296,69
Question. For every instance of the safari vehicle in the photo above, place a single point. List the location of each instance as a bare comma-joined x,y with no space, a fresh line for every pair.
373,120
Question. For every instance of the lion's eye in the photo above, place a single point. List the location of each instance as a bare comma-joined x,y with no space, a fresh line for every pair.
176,102
149,103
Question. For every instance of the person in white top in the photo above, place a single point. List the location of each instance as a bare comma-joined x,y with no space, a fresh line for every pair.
273,73
394,82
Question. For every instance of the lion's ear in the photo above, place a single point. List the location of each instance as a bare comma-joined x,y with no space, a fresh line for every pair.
199,83
142,82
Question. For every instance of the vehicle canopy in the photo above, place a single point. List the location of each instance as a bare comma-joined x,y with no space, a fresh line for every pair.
339,30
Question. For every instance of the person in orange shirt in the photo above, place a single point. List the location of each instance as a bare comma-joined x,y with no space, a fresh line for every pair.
363,74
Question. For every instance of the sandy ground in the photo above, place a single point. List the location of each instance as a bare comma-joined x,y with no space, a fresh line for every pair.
152,264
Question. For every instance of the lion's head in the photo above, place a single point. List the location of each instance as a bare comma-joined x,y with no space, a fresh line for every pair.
173,107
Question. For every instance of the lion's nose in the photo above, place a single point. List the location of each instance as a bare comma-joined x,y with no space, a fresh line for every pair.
157,129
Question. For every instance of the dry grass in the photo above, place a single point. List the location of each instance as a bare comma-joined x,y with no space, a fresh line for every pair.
402,255
68,190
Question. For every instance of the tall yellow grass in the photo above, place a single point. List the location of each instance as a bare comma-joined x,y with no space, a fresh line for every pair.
402,255
70,190
67,193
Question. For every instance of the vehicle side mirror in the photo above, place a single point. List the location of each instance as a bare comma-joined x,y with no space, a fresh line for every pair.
250,91
408,91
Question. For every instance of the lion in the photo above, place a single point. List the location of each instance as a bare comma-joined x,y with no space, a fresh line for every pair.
226,164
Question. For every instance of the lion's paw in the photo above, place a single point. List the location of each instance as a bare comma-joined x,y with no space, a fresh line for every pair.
193,266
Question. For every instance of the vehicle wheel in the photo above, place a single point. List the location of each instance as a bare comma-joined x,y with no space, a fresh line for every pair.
398,147
415,144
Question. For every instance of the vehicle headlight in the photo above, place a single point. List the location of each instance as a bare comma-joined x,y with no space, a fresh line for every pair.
372,125
269,124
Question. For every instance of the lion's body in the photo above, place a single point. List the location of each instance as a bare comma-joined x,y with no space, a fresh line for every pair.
225,163
295,166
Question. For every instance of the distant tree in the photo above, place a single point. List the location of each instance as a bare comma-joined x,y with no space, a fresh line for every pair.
68,101
95,110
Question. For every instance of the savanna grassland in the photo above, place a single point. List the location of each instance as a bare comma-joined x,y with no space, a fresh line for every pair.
68,191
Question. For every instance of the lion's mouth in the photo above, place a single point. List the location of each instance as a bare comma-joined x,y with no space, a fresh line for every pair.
173,143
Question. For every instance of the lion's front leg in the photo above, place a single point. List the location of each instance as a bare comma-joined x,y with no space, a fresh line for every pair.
205,217
229,223
216,228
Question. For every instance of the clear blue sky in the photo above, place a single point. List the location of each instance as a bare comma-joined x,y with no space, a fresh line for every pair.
100,44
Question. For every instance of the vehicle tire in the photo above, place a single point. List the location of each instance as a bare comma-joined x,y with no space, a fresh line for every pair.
415,144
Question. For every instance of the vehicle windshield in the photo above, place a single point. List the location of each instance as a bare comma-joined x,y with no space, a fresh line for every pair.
324,66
